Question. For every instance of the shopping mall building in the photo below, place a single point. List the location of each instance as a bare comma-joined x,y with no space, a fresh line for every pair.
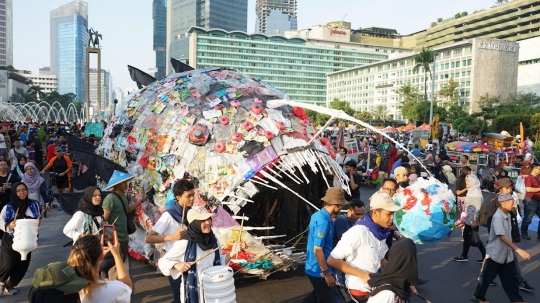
480,66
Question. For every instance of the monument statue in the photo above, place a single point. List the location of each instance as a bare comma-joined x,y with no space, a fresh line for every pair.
93,38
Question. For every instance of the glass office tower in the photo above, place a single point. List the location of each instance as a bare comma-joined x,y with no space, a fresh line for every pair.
69,38
183,14
159,14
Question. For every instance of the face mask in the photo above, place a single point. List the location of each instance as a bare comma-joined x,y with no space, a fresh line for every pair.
403,184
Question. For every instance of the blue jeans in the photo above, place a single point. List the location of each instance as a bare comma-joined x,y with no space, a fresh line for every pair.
532,207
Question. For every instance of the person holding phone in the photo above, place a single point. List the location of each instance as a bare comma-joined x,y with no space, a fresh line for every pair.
85,257
88,218
12,268
197,241
170,227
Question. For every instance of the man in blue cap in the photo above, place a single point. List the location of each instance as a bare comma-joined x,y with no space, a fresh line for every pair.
116,208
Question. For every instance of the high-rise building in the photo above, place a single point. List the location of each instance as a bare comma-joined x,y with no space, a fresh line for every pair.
6,32
183,14
47,81
69,37
159,14
274,17
105,90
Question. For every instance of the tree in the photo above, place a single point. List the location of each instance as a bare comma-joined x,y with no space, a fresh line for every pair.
409,96
510,123
379,112
469,124
440,20
342,105
464,14
321,119
449,91
433,24
363,116
423,60
486,105
455,112
457,16
36,91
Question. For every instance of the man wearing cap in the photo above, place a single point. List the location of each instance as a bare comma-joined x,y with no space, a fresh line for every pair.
115,207
362,248
57,282
500,257
320,244
62,166
354,180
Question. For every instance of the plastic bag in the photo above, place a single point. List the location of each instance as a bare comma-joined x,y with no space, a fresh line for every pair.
475,238
451,177
520,185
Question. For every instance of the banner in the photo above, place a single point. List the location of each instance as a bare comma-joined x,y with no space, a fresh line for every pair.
93,128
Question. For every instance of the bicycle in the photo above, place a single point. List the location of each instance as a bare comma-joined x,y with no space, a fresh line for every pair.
50,194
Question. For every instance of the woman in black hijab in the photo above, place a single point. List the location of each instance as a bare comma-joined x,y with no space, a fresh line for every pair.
394,282
12,268
89,217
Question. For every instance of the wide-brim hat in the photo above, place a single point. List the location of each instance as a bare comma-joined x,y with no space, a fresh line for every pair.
117,178
198,213
383,201
504,182
335,195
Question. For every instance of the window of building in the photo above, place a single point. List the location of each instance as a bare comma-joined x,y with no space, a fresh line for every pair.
469,62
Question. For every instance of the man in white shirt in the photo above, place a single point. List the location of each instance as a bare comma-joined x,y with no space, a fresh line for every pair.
169,228
362,248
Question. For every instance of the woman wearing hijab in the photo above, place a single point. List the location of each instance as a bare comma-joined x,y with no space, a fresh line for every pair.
37,188
12,268
194,243
89,216
393,283
18,171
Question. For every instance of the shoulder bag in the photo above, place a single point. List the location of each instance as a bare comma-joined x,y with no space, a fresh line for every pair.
131,228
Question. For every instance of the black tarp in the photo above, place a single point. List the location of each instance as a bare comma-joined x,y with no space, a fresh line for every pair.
140,77
179,66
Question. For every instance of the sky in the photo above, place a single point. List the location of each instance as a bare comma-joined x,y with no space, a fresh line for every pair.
127,29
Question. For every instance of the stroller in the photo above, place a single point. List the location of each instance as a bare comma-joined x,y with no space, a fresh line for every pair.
371,178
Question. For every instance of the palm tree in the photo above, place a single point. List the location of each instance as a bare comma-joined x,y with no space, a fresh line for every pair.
423,60
379,112
36,91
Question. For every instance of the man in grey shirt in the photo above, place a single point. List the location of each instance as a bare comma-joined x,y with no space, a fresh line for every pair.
499,256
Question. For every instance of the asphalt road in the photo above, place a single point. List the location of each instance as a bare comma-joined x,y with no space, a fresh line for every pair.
450,282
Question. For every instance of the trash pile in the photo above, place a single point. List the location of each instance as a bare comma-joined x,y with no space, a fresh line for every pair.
213,125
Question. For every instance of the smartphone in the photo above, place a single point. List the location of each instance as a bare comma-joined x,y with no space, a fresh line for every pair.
108,234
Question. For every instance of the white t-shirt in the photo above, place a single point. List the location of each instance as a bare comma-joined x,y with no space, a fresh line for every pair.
3,144
110,292
385,296
176,255
360,249
166,225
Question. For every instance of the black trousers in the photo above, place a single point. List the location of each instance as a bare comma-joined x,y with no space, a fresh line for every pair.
509,279
467,242
175,286
12,267
321,293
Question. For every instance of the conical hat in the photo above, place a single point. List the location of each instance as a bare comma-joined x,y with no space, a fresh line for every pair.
117,178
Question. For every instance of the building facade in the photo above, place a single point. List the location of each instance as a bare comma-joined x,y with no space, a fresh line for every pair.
159,14
480,66
105,90
6,32
529,66
183,14
274,17
69,38
12,83
295,65
48,83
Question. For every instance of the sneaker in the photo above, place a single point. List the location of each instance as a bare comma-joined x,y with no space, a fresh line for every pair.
525,286
480,261
461,259
526,237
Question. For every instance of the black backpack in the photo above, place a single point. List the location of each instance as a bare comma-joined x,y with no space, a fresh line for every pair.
487,210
